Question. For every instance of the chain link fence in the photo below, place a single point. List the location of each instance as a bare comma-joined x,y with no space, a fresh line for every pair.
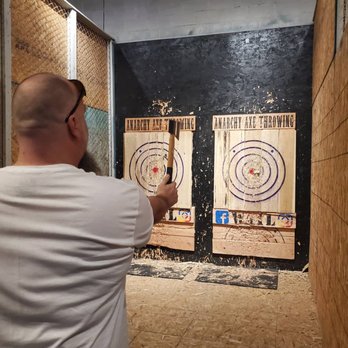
40,44
92,70
39,38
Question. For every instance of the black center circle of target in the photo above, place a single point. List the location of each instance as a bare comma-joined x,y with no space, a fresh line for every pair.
275,164
252,187
141,156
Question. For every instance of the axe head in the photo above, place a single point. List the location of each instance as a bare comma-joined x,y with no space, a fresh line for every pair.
174,128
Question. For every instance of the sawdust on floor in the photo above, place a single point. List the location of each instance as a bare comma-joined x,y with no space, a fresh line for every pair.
167,313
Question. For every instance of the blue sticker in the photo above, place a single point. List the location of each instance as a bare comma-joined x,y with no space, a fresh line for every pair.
221,217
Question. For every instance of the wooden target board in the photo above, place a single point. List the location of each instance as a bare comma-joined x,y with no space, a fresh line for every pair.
146,142
254,193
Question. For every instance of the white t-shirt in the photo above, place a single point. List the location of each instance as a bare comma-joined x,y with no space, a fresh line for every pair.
66,244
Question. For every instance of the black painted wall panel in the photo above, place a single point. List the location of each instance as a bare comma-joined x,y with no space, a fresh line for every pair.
248,72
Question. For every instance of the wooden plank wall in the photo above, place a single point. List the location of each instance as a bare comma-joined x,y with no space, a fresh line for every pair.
329,191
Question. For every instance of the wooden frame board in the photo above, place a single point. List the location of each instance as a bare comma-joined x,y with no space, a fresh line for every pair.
259,219
174,236
254,241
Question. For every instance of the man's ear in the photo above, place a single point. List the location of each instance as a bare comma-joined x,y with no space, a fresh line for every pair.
74,127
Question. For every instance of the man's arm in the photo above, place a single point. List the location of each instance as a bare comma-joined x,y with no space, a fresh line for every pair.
167,196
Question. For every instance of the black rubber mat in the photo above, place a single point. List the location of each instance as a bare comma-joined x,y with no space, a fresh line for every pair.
253,278
159,271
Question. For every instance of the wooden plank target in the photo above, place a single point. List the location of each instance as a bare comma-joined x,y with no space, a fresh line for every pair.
146,142
254,170
254,175
145,162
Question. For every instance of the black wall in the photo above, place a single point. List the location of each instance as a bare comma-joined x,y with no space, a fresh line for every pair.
222,74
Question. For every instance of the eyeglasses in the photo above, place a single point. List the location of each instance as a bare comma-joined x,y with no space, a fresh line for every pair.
80,87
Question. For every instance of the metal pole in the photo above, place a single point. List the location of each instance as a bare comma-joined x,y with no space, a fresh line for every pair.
112,132
72,45
6,82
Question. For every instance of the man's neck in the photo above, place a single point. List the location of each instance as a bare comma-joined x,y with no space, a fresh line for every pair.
43,155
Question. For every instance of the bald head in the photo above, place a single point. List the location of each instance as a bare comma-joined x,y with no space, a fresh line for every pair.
41,102
41,105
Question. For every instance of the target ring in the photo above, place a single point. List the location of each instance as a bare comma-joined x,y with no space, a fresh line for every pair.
148,165
254,171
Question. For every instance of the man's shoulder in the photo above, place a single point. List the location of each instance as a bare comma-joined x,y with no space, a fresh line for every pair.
110,183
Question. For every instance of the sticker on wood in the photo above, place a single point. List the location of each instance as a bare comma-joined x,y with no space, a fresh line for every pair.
146,143
254,182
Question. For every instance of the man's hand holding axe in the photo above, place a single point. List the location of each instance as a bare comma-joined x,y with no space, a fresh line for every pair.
174,131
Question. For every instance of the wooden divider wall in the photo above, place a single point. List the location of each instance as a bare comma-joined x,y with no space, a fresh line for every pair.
329,188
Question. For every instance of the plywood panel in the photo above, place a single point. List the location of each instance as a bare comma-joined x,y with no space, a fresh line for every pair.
329,215
324,41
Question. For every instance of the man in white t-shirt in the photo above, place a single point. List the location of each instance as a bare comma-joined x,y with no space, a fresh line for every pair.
66,236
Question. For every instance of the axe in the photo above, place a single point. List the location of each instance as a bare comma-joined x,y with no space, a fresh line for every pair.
174,130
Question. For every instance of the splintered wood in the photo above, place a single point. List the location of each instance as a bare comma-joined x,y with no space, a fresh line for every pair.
254,178
146,154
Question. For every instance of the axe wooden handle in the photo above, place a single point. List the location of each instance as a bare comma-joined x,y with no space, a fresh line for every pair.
170,157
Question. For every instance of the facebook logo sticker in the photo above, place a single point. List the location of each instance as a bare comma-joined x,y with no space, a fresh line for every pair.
221,217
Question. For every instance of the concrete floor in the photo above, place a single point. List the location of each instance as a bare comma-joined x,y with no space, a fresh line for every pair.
165,313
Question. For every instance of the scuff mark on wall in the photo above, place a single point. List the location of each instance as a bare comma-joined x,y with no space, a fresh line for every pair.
163,106
269,98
